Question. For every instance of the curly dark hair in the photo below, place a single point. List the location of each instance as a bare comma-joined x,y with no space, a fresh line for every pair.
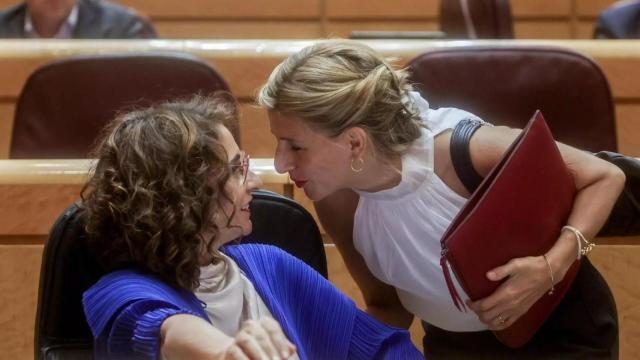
160,176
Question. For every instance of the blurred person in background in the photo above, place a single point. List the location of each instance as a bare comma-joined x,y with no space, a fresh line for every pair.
73,19
619,21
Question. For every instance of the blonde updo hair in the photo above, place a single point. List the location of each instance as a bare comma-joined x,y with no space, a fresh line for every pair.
338,84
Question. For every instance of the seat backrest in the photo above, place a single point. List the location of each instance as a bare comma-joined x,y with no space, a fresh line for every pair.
69,268
506,84
476,19
66,103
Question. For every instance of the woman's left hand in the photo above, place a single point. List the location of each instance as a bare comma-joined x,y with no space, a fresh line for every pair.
527,280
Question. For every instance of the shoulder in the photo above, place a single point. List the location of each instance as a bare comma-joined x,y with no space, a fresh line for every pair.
103,19
445,118
618,21
12,20
250,254
106,8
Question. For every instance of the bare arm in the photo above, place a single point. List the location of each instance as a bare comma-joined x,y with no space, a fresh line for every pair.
189,337
598,184
336,213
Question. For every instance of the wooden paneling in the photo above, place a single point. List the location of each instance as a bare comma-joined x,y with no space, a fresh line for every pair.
540,8
628,128
247,70
619,71
6,127
542,29
246,75
591,8
19,277
585,29
381,9
256,138
226,9
344,28
32,209
620,266
14,73
211,29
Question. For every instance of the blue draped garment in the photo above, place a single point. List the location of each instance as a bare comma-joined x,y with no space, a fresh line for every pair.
126,308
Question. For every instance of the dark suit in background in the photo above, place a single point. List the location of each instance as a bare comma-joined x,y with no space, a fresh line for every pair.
97,19
620,21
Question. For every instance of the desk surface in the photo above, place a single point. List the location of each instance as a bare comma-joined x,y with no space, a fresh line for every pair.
75,171
282,48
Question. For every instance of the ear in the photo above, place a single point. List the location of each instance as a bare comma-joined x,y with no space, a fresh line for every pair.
357,140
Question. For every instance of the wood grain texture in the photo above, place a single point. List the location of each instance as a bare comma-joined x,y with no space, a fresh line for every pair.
19,277
226,9
540,8
381,9
591,8
239,29
628,128
620,266
6,127
32,209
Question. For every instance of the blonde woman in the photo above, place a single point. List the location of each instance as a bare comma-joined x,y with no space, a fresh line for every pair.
375,160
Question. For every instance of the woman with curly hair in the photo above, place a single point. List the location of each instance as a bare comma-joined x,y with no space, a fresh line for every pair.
170,189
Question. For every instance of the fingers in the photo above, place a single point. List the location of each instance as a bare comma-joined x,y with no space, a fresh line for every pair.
503,271
263,339
283,346
235,353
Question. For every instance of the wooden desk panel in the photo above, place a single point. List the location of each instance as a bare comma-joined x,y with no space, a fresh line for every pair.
246,65
239,29
227,9
6,127
541,8
381,9
343,28
19,279
591,8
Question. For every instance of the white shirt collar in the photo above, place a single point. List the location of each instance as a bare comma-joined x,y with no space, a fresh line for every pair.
64,32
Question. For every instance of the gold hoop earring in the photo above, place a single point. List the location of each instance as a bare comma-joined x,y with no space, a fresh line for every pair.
357,161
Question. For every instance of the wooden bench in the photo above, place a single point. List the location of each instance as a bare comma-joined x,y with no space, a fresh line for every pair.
246,65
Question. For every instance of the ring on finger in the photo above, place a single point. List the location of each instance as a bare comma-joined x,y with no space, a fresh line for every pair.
501,319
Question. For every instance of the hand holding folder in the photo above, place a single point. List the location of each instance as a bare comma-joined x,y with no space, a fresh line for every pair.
517,211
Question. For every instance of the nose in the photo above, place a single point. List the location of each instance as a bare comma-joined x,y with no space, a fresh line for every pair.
253,181
283,161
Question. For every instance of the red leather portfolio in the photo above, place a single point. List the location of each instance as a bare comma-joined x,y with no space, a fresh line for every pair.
517,211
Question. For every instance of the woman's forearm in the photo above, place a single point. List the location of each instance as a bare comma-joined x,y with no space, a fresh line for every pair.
189,337
591,208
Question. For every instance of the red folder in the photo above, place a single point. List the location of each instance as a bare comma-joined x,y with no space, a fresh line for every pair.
517,211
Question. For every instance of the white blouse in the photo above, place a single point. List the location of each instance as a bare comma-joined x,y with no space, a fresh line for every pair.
398,230
229,296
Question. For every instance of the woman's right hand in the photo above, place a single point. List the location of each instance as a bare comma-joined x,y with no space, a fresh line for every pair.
259,340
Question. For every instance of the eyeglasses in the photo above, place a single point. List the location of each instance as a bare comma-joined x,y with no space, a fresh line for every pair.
243,165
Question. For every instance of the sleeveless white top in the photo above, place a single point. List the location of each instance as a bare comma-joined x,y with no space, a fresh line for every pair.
398,230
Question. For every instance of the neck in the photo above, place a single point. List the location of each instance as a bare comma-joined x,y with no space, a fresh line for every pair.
47,27
379,174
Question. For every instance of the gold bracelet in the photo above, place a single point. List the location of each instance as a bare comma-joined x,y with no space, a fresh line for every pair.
544,256
588,246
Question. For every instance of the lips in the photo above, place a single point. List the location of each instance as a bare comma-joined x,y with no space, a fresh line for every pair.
299,183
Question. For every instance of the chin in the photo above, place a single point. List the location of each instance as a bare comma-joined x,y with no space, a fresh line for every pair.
315,195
